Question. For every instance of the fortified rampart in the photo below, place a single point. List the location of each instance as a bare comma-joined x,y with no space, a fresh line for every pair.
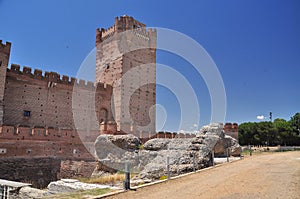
22,141
4,58
34,99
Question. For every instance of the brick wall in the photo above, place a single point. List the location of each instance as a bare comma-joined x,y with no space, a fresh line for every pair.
115,57
4,58
52,101
44,142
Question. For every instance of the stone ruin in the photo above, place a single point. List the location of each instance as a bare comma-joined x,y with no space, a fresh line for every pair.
149,160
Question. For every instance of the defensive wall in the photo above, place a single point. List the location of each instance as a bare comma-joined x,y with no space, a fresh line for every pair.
34,99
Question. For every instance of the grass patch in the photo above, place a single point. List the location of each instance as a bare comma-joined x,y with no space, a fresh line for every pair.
163,177
141,147
246,152
109,179
81,194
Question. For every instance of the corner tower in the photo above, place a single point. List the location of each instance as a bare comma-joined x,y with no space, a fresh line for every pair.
4,59
126,59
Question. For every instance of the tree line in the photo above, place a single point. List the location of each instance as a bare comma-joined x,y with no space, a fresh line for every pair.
278,132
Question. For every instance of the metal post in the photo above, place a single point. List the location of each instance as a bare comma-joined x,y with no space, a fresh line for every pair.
227,154
4,192
1,191
8,188
168,167
194,166
127,176
213,157
250,151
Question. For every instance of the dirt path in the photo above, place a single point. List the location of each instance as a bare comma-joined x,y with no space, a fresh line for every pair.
272,175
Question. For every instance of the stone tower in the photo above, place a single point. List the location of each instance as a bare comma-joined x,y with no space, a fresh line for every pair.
126,59
4,59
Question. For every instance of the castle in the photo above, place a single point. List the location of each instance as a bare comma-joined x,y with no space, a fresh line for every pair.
48,114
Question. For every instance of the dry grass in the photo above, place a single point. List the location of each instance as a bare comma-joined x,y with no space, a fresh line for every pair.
108,179
80,194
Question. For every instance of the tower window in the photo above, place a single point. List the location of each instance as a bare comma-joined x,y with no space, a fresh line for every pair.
26,113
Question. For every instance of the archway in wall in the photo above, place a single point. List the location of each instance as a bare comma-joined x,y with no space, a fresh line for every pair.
103,115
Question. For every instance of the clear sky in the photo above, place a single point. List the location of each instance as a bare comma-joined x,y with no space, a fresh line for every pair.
255,45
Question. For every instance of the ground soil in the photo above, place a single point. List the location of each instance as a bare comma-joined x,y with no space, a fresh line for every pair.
268,175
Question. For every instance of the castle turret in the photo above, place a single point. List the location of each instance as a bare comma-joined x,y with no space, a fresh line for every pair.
126,59
4,59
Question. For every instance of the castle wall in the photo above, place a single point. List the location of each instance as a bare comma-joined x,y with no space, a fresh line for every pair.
46,142
47,100
37,171
40,171
4,58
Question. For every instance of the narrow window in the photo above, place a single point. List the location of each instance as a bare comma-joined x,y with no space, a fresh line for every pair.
26,113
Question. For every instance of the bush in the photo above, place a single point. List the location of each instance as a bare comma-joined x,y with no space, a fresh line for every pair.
163,177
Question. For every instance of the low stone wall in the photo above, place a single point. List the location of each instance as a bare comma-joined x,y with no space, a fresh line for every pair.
74,169
37,171
41,171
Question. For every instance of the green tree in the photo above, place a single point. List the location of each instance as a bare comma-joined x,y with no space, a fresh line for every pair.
295,122
271,133
295,125
284,132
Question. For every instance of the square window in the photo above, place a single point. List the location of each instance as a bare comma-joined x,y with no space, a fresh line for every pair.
26,113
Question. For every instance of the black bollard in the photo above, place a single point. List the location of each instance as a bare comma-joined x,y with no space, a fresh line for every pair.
127,177
168,167
227,154
194,164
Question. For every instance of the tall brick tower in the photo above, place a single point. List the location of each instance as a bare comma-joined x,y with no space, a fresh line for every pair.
126,59
4,59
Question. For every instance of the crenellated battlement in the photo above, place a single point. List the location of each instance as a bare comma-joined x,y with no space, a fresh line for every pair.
28,133
122,24
5,47
53,77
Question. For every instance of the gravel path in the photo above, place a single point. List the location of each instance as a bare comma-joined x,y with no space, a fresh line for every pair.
271,175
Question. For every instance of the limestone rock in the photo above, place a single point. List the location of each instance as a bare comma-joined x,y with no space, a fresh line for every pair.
215,136
29,192
71,185
114,150
214,128
156,144
150,163
227,142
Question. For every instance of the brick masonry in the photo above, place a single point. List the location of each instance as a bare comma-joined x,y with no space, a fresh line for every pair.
46,117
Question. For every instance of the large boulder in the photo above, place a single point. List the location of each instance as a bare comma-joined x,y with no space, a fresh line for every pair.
29,192
71,185
212,129
150,163
184,155
216,137
113,151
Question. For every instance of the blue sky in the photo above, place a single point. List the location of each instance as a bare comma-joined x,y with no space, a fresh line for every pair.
255,45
